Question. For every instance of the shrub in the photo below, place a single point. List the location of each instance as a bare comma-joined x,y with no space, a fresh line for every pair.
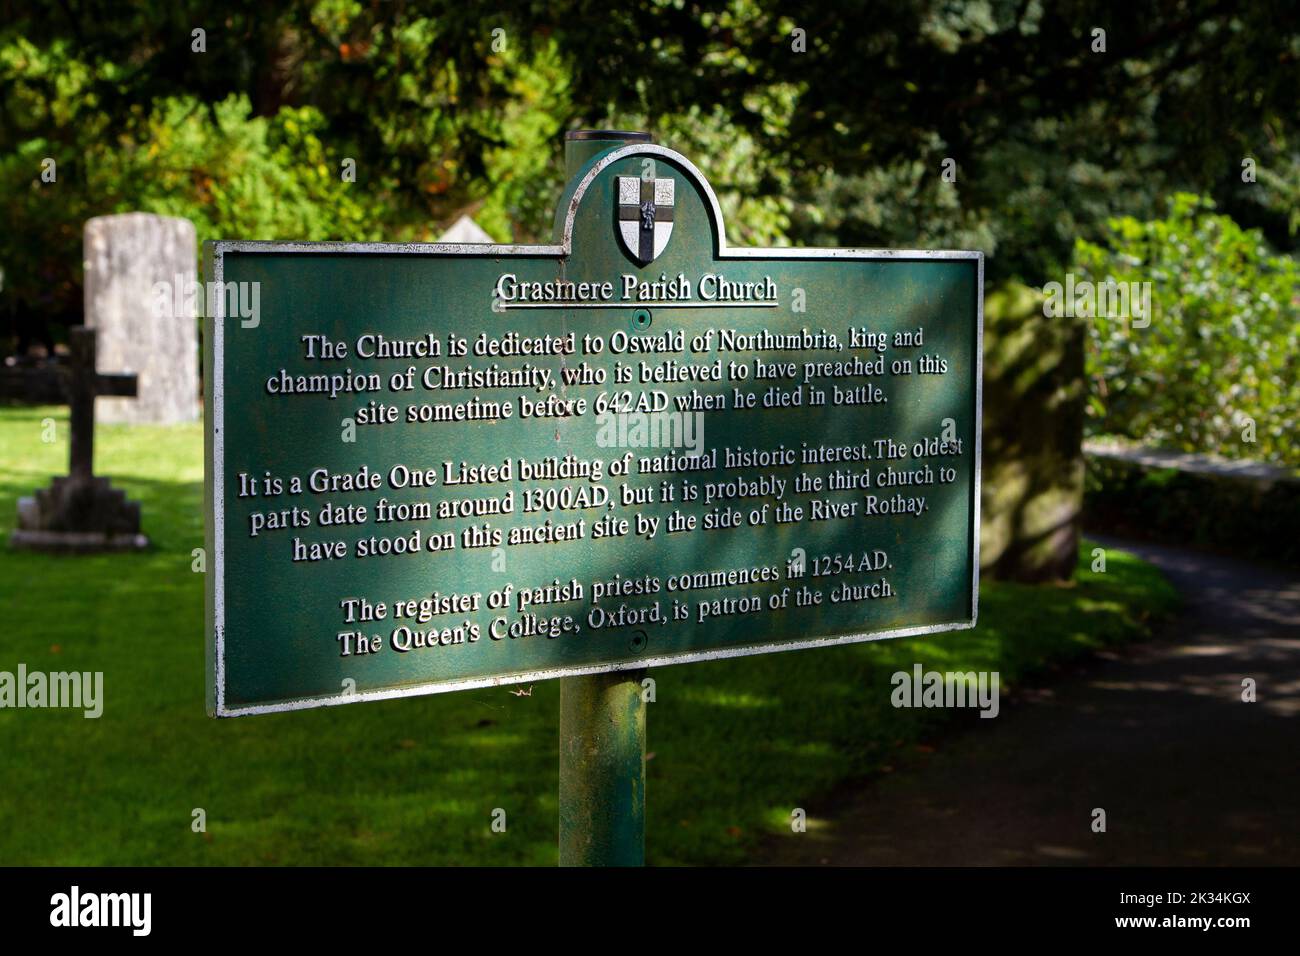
1218,369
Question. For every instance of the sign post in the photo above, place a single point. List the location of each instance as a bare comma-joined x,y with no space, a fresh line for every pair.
602,716
602,770
434,467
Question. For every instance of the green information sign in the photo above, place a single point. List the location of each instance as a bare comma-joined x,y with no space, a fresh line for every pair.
442,466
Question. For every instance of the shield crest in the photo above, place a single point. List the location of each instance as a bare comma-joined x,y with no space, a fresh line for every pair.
645,216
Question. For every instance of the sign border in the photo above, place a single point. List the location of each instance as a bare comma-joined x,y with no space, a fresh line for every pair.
214,424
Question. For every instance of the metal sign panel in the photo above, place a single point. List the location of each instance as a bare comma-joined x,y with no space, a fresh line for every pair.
439,466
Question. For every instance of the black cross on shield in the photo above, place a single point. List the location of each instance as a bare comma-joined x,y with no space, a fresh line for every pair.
645,215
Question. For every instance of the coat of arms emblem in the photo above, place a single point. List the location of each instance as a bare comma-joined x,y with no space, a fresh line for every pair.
645,216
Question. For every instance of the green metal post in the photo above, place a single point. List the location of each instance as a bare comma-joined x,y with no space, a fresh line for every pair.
602,770
602,717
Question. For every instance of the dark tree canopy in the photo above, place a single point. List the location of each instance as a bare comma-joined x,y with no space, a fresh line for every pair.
818,123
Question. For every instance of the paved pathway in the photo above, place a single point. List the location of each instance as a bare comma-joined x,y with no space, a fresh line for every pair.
1156,734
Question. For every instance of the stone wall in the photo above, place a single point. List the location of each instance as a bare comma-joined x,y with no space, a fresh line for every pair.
1248,508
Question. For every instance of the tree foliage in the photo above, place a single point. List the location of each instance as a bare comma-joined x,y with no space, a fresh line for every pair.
816,122
1218,368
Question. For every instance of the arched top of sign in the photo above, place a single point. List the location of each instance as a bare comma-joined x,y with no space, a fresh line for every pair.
574,200
722,251
571,201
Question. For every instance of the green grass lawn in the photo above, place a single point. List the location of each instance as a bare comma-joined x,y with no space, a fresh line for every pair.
736,744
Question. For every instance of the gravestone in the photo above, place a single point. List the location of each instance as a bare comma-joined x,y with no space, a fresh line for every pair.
81,512
465,229
140,271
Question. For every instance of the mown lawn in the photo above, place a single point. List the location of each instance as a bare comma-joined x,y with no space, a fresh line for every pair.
736,744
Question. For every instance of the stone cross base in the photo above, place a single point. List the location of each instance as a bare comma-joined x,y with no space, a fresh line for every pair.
78,515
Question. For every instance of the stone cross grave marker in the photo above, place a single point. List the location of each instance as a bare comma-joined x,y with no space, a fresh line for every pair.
81,512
